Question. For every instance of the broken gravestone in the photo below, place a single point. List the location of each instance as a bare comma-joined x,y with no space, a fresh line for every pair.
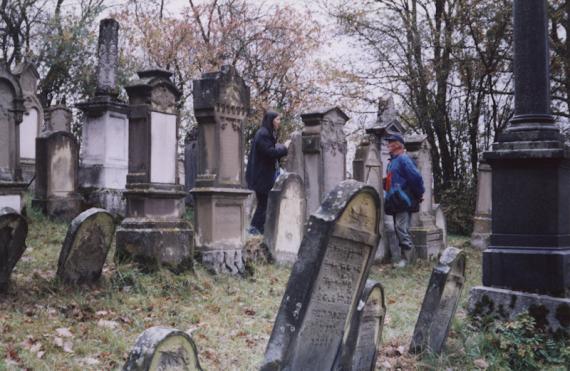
440,302
327,281
365,333
285,218
162,348
13,232
85,247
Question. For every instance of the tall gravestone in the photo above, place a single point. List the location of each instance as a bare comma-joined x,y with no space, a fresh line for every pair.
58,118
154,232
482,220
13,233
191,163
295,162
12,186
57,164
427,237
285,218
327,281
324,152
105,145
221,104
529,252
32,121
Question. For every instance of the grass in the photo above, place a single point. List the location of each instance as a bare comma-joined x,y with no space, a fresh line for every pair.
230,319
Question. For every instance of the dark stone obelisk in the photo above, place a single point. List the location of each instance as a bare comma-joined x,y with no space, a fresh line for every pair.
528,260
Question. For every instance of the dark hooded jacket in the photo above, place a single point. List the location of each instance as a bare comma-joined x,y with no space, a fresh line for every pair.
263,156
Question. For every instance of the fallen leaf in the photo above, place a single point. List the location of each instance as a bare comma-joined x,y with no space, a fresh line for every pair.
481,363
89,361
108,324
64,332
249,312
387,365
101,313
401,349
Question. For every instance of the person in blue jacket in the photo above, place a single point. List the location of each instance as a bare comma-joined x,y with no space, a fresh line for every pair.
404,189
263,166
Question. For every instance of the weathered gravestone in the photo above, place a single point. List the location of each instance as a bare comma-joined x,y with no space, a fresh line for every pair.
365,334
440,302
58,118
85,247
162,349
295,162
327,281
285,218
57,165
11,111
13,232
482,221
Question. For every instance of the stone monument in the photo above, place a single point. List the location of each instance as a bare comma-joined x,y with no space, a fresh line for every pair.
12,186
32,121
154,232
295,162
162,348
57,165
190,163
482,221
528,258
13,233
85,247
105,145
327,281
284,223
324,151
58,118
221,104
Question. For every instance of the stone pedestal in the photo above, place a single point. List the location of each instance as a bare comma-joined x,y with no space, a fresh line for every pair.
154,232
221,103
105,149
482,220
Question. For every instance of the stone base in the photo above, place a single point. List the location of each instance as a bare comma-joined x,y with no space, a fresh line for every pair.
223,261
428,242
153,244
105,198
480,241
481,237
550,313
28,167
59,208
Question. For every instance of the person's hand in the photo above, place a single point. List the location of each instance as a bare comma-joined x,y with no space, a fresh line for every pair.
287,143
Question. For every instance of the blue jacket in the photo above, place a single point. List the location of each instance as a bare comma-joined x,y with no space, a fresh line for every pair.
404,181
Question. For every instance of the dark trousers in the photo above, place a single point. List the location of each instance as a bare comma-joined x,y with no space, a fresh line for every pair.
258,220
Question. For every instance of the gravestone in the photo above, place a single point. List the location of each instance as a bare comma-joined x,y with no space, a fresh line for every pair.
295,162
440,302
324,152
105,142
365,336
85,247
154,232
162,349
12,186
285,218
327,281
221,104
482,221
57,165
13,233
440,221
33,118
58,118
190,163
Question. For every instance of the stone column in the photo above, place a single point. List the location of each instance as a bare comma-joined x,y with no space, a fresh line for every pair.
154,233
105,145
221,104
190,164
324,151
530,241
11,115
482,220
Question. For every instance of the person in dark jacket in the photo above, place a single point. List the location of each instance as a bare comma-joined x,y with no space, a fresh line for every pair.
263,165
404,188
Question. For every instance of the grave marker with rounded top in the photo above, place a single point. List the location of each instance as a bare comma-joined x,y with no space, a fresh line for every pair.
85,247
13,233
327,280
161,349
440,302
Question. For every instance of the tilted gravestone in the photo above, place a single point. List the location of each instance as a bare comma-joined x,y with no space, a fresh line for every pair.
13,232
365,335
285,218
161,349
327,280
85,247
440,302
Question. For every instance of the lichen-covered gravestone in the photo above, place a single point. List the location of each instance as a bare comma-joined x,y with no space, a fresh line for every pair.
285,218
440,302
161,349
13,232
365,334
85,247
327,281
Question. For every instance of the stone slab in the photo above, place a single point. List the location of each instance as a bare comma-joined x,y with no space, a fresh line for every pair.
13,233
